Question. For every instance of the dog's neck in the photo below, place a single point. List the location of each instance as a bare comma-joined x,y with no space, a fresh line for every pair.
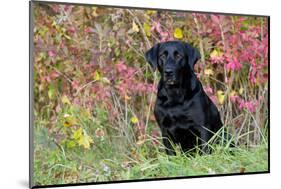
177,95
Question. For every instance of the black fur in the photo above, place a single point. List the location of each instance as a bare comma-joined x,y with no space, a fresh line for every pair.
183,111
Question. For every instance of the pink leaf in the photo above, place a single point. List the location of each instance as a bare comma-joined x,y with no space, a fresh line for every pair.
51,53
215,19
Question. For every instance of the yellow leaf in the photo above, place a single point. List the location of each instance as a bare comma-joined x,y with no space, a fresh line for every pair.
69,120
215,53
135,27
221,96
134,120
151,12
97,76
241,90
77,134
94,12
147,29
178,33
54,23
65,100
208,72
85,141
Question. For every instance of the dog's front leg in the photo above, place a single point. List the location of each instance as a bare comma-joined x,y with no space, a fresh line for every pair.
169,148
205,137
167,143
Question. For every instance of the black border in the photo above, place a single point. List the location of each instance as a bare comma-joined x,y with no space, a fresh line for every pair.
142,8
153,179
31,144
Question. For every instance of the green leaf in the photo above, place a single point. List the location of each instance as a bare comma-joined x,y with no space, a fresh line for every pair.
51,91
70,144
77,134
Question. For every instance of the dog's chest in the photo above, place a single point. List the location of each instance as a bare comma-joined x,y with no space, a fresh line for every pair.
178,116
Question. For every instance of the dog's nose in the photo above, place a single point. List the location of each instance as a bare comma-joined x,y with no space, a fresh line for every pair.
168,72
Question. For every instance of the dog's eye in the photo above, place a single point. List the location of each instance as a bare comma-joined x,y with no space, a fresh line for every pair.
178,56
163,56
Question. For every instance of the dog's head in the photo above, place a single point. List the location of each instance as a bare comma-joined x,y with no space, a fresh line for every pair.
174,60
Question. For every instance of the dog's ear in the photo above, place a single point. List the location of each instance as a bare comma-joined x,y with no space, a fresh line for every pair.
193,55
151,56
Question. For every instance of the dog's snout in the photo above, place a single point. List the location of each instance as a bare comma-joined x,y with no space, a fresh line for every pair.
168,72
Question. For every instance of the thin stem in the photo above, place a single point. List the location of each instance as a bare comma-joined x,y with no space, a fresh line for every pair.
84,86
200,41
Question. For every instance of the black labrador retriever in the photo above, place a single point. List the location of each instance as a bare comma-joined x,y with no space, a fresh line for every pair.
184,112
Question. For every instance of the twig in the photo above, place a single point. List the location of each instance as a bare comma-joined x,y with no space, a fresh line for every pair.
200,40
141,27
150,101
65,76
84,86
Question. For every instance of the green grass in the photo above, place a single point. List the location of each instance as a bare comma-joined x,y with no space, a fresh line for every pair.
219,162
54,165
121,155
